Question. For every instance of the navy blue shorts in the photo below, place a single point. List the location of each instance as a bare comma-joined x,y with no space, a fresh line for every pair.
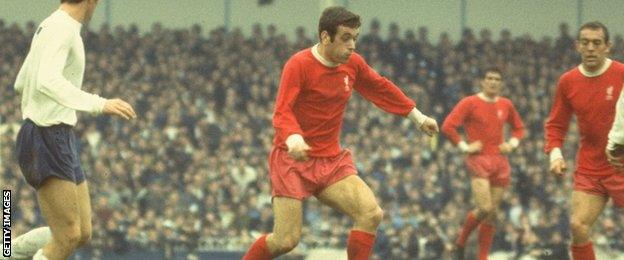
51,151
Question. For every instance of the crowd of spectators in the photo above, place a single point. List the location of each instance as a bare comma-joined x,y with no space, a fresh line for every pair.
190,173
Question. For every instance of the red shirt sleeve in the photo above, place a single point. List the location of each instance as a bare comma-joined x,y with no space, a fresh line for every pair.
517,127
381,91
558,121
455,119
284,119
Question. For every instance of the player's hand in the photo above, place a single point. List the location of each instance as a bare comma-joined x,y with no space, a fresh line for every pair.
474,147
429,126
505,148
297,147
119,108
616,158
558,167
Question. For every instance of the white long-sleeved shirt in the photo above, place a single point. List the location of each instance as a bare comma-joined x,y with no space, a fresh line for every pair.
616,134
51,76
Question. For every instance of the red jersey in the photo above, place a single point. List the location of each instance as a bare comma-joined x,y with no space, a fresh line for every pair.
592,100
483,121
312,97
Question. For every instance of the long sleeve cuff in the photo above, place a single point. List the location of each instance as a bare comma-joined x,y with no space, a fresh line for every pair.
417,117
463,146
514,142
555,154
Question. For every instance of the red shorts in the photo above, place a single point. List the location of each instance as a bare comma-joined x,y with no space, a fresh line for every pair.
606,185
495,168
299,180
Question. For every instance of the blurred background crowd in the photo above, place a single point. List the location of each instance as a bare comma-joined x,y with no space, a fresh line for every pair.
190,175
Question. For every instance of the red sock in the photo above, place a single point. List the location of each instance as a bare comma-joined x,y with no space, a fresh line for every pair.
470,224
360,245
259,250
486,236
583,251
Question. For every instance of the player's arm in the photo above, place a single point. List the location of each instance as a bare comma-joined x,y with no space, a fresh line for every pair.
616,136
284,118
556,128
517,131
453,121
53,84
387,96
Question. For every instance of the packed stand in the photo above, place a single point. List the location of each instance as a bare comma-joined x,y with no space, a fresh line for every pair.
190,173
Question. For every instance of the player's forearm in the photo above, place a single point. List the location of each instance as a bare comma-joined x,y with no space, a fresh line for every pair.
64,93
286,122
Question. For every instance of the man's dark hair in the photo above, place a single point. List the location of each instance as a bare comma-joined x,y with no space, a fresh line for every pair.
491,70
595,25
335,16
71,1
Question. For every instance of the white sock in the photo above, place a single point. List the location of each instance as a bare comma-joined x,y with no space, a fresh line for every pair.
26,245
39,255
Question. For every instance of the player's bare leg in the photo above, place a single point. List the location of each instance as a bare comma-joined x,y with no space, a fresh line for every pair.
586,208
353,197
482,197
288,214
59,207
84,208
287,225
496,195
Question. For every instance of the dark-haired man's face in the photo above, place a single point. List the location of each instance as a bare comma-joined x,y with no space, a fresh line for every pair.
492,84
593,48
340,49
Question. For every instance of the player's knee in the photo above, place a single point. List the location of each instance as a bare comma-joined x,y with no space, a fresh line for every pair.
286,243
486,211
491,218
579,229
372,217
85,237
70,237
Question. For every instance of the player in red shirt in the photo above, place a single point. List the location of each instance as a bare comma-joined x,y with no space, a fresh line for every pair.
483,117
588,91
306,158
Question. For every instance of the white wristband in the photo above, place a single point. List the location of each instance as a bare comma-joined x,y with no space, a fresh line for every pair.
555,154
293,140
514,142
463,146
417,117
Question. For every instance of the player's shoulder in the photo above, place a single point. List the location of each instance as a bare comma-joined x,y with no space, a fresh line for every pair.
468,100
301,57
570,75
356,60
619,66
53,26
505,100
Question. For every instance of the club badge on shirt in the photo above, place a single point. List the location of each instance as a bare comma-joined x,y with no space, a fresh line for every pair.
499,113
610,93
346,81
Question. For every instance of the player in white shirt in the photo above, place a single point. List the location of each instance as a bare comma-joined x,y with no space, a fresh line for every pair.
615,144
50,82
